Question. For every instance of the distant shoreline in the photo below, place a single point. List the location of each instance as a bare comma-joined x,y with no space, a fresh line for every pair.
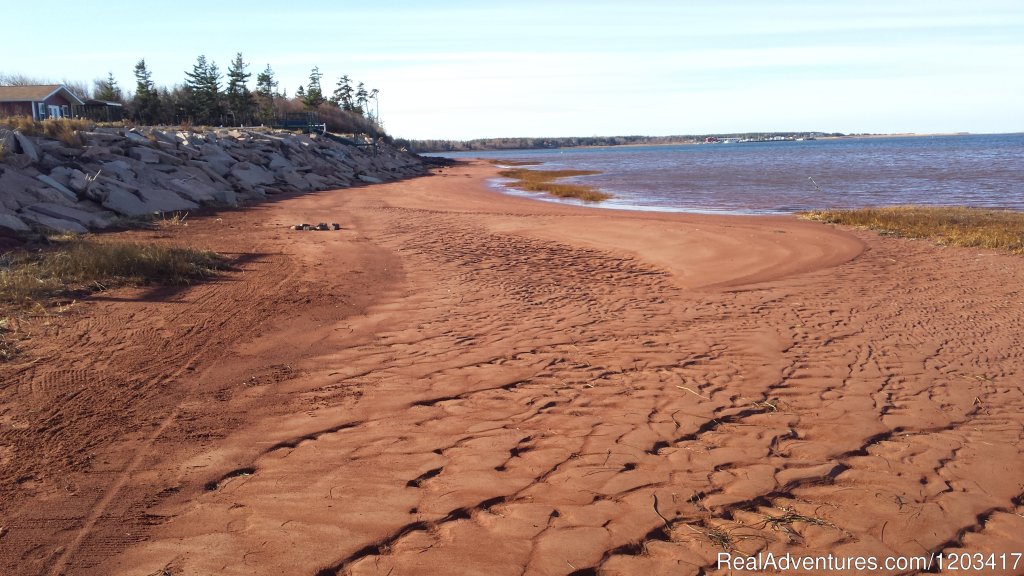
683,141
849,137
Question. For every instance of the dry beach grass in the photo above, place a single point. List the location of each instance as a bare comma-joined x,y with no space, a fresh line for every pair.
73,264
949,225
63,129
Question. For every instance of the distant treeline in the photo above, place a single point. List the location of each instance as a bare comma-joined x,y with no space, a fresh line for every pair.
208,97
570,142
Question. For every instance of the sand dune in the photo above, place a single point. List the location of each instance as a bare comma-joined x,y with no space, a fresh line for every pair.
466,383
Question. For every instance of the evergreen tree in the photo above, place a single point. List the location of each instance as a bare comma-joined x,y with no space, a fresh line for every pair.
108,90
361,98
202,88
172,105
240,101
266,88
216,97
314,94
343,94
300,93
146,103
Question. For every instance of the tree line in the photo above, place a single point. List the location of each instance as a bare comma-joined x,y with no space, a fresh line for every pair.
482,144
208,97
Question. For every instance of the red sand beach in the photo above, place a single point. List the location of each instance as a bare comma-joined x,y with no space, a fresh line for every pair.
462,382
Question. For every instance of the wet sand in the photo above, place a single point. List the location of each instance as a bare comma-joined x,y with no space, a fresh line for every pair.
461,382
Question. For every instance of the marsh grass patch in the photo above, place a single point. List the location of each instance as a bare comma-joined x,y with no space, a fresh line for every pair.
947,225
544,181
499,162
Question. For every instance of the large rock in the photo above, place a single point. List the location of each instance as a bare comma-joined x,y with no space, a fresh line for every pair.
316,181
121,169
154,156
370,179
131,187
209,171
295,180
11,223
190,139
165,137
16,190
143,154
62,174
7,142
278,163
250,176
52,183
55,224
167,147
86,218
219,160
100,138
123,202
28,148
137,138
78,181
99,153
193,184
161,200
169,159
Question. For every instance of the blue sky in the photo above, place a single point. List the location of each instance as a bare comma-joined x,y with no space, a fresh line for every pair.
465,69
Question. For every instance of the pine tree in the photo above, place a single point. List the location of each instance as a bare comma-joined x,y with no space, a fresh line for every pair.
146,102
314,94
108,90
361,98
212,84
172,105
240,101
343,94
266,88
202,87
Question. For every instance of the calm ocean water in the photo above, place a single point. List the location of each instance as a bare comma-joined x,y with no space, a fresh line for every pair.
779,177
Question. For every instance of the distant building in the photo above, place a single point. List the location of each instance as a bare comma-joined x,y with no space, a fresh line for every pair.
40,102
99,110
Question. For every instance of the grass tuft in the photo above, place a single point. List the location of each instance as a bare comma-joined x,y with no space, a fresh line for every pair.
176,219
75,265
543,181
948,225
788,518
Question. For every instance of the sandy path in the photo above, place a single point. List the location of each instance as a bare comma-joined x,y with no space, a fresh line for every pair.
474,384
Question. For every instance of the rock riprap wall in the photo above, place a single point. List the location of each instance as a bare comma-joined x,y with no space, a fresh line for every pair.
116,174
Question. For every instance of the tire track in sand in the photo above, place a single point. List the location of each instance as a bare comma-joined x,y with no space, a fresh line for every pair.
537,407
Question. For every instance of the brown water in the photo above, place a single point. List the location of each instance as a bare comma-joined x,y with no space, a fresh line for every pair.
780,177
